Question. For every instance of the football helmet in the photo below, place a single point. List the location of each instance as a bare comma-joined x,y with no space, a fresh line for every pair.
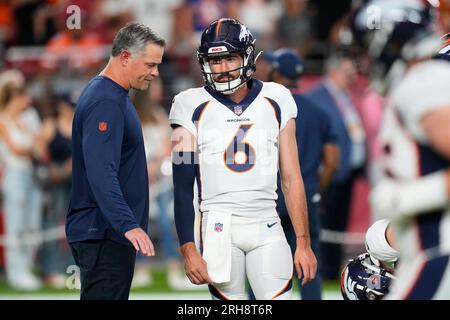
444,51
362,279
222,38
393,33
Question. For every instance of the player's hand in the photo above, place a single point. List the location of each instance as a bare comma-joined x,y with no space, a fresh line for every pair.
305,262
194,265
140,241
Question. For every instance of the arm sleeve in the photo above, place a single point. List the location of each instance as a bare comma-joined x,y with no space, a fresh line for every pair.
183,184
103,129
181,115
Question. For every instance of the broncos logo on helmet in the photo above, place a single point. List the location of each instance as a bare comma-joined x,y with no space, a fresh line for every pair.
361,279
222,38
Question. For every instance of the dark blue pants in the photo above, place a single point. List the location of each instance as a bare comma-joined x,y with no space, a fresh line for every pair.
106,269
313,289
336,200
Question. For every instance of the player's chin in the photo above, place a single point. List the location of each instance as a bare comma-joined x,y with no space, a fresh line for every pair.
144,85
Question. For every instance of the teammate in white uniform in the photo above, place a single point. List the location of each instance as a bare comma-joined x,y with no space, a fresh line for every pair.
414,134
232,135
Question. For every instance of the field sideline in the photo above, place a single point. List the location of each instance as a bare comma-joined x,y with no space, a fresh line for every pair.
159,290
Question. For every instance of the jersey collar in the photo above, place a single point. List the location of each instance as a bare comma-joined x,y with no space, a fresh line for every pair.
238,108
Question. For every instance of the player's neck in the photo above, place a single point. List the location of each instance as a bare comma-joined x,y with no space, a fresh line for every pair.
240,94
111,71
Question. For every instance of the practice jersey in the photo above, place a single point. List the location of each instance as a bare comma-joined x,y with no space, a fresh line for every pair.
237,145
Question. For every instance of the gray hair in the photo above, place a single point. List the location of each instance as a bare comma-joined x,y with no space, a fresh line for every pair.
134,37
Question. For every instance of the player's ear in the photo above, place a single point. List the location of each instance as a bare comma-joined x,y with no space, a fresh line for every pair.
124,57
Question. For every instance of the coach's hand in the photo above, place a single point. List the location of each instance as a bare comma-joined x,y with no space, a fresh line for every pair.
194,265
140,241
305,261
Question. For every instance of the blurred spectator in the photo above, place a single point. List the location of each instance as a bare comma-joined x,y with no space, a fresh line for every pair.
156,14
91,17
193,17
57,134
252,12
190,18
156,133
21,195
6,23
81,49
34,21
334,97
295,28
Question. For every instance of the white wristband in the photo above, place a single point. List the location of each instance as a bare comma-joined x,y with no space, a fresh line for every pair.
377,245
424,194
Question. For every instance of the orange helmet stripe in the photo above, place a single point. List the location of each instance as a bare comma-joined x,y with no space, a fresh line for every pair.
219,23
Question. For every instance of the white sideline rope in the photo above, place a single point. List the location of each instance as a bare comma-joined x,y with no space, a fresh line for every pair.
33,238
57,233
345,238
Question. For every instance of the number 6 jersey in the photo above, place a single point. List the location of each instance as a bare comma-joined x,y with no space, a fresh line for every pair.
237,145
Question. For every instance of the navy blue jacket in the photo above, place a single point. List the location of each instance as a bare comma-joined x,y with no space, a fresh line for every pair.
314,129
109,180
322,97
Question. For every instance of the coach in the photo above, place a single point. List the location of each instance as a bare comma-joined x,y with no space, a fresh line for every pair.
108,212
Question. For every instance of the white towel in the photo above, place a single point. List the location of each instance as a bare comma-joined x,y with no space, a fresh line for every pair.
217,246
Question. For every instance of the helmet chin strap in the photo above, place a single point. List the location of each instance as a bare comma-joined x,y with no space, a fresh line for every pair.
257,56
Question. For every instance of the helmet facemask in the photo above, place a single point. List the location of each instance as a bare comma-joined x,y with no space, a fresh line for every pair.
246,70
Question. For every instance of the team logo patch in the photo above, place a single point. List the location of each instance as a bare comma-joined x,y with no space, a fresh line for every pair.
102,126
373,282
218,227
238,110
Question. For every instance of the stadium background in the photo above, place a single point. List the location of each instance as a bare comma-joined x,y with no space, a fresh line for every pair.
57,60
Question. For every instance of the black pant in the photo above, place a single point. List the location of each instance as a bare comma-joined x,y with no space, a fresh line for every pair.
336,200
312,290
106,269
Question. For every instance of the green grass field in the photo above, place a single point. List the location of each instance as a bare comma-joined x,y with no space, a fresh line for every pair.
158,290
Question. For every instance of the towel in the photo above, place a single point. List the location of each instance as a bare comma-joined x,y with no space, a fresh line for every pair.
217,246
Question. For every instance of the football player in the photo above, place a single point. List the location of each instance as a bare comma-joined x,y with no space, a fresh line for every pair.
401,39
232,135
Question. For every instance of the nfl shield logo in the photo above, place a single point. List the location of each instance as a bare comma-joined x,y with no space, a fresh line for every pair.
238,110
218,227
102,126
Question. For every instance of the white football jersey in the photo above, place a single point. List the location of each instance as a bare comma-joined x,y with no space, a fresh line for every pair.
407,153
237,145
